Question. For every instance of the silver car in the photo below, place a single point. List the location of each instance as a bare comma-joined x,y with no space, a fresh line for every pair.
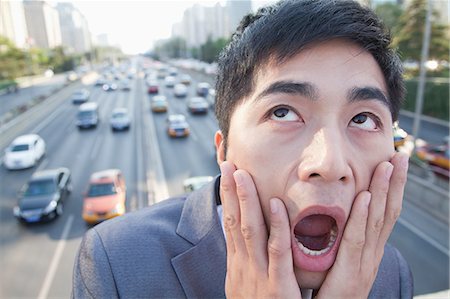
120,119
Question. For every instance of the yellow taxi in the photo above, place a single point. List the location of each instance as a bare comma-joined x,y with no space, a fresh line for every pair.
105,197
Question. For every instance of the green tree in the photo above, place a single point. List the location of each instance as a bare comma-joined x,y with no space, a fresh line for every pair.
390,14
210,49
12,60
409,37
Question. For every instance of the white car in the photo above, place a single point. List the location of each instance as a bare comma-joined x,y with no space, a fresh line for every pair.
169,81
120,119
80,96
197,105
180,90
24,152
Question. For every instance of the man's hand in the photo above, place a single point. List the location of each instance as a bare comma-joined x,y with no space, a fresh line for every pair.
371,221
258,265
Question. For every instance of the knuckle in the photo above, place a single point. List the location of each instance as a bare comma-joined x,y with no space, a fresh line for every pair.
230,221
275,250
248,232
378,225
394,214
357,243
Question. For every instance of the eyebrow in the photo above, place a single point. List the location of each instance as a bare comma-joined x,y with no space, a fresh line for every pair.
288,87
308,90
368,93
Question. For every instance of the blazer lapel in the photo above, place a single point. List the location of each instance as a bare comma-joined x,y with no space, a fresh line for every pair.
201,269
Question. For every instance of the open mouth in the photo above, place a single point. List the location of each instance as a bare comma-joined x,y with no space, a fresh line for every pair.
316,234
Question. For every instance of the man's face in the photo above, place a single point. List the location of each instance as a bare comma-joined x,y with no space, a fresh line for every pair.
312,134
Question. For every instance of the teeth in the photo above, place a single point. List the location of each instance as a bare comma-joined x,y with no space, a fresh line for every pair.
307,251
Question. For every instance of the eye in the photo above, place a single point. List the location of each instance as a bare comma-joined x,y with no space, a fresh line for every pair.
365,121
283,114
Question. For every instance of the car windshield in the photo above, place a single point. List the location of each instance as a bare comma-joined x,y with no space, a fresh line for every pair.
119,115
101,190
43,187
85,114
20,147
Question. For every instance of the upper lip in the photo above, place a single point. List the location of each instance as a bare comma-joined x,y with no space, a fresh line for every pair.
337,213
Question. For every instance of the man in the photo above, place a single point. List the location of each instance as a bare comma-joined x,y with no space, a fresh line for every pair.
310,184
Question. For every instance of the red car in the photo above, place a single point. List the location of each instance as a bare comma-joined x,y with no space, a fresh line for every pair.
437,157
153,88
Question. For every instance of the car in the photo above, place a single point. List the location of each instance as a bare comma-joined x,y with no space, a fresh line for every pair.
180,90
177,126
173,71
185,79
153,87
42,198
109,86
169,81
24,152
197,105
196,182
100,82
87,115
159,104
437,156
125,85
105,197
399,135
80,96
120,120
203,89
211,98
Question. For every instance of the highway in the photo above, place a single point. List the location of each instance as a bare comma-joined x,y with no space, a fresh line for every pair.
37,259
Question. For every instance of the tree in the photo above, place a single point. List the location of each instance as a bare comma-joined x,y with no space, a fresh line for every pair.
390,14
411,31
13,60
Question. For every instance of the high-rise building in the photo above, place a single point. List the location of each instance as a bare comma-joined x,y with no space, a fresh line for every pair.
12,22
74,28
42,24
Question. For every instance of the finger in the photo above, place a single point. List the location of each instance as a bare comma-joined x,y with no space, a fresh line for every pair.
379,187
395,195
231,214
253,226
353,239
279,245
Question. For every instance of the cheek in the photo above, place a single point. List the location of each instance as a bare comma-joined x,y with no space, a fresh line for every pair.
367,158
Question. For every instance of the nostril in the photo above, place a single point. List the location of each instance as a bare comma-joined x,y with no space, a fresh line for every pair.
343,179
312,175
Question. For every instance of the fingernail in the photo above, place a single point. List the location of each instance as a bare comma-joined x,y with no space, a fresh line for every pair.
273,206
238,178
388,172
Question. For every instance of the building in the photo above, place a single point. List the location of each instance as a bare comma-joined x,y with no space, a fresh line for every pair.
75,33
42,24
12,22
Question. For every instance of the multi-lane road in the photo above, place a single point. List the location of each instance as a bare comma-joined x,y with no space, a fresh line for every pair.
37,260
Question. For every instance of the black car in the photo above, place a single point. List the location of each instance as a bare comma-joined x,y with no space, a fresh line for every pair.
42,198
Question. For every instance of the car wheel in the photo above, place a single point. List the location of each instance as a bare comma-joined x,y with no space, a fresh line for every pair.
59,209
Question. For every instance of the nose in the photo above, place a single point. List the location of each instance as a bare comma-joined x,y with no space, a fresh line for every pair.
325,158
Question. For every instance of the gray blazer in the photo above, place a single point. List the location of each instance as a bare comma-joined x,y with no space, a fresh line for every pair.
176,249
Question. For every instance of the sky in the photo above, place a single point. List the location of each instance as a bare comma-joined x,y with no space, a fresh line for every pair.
135,25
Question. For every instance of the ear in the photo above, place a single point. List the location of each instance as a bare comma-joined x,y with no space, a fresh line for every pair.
220,149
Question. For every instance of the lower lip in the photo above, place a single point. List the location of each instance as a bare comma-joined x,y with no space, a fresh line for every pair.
317,263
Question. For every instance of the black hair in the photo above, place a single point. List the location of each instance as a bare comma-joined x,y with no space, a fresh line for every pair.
282,30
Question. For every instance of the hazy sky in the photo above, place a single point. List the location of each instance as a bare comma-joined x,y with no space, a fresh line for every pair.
135,25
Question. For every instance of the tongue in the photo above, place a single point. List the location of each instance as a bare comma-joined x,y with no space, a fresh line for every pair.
314,231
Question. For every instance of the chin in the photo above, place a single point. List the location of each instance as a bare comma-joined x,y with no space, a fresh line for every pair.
310,280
